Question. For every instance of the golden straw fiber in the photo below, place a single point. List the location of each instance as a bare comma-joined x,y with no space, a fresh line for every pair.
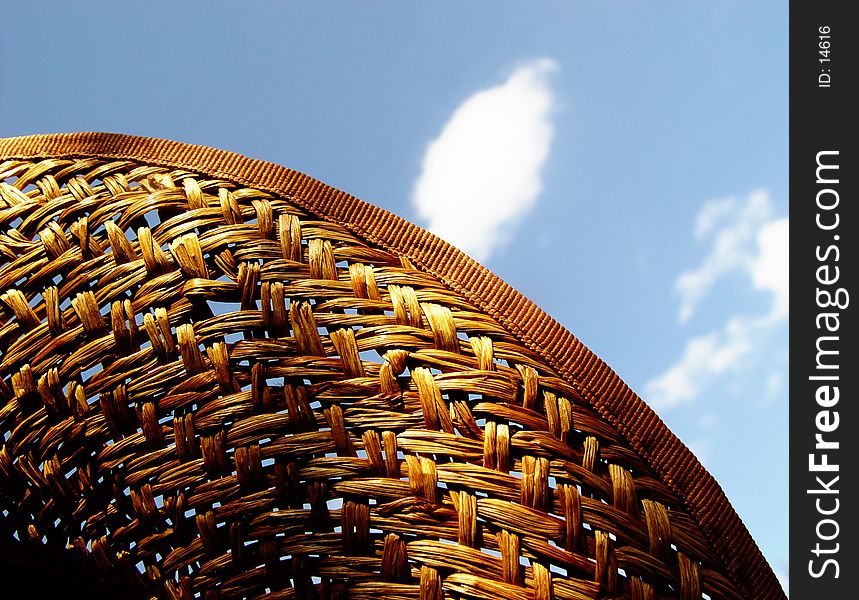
220,378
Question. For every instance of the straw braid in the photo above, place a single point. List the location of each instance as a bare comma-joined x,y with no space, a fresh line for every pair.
215,393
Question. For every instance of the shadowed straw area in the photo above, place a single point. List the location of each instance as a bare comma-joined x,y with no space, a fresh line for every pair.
214,391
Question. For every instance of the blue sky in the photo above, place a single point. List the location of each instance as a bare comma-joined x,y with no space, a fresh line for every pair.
647,214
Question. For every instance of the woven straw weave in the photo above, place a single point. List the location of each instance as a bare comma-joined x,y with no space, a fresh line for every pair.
222,379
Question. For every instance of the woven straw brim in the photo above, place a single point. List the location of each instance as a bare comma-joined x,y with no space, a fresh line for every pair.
223,378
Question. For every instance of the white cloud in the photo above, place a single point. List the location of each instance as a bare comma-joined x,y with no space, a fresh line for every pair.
705,358
482,172
770,267
712,213
732,249
746,240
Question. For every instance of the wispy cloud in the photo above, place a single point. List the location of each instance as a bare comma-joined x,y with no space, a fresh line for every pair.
482,173
732,249
769,267
705,358
712,213
745,239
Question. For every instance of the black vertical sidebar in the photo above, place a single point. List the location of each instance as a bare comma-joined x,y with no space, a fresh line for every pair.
824,227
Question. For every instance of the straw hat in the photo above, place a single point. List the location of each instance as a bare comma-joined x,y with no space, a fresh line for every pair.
220,378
